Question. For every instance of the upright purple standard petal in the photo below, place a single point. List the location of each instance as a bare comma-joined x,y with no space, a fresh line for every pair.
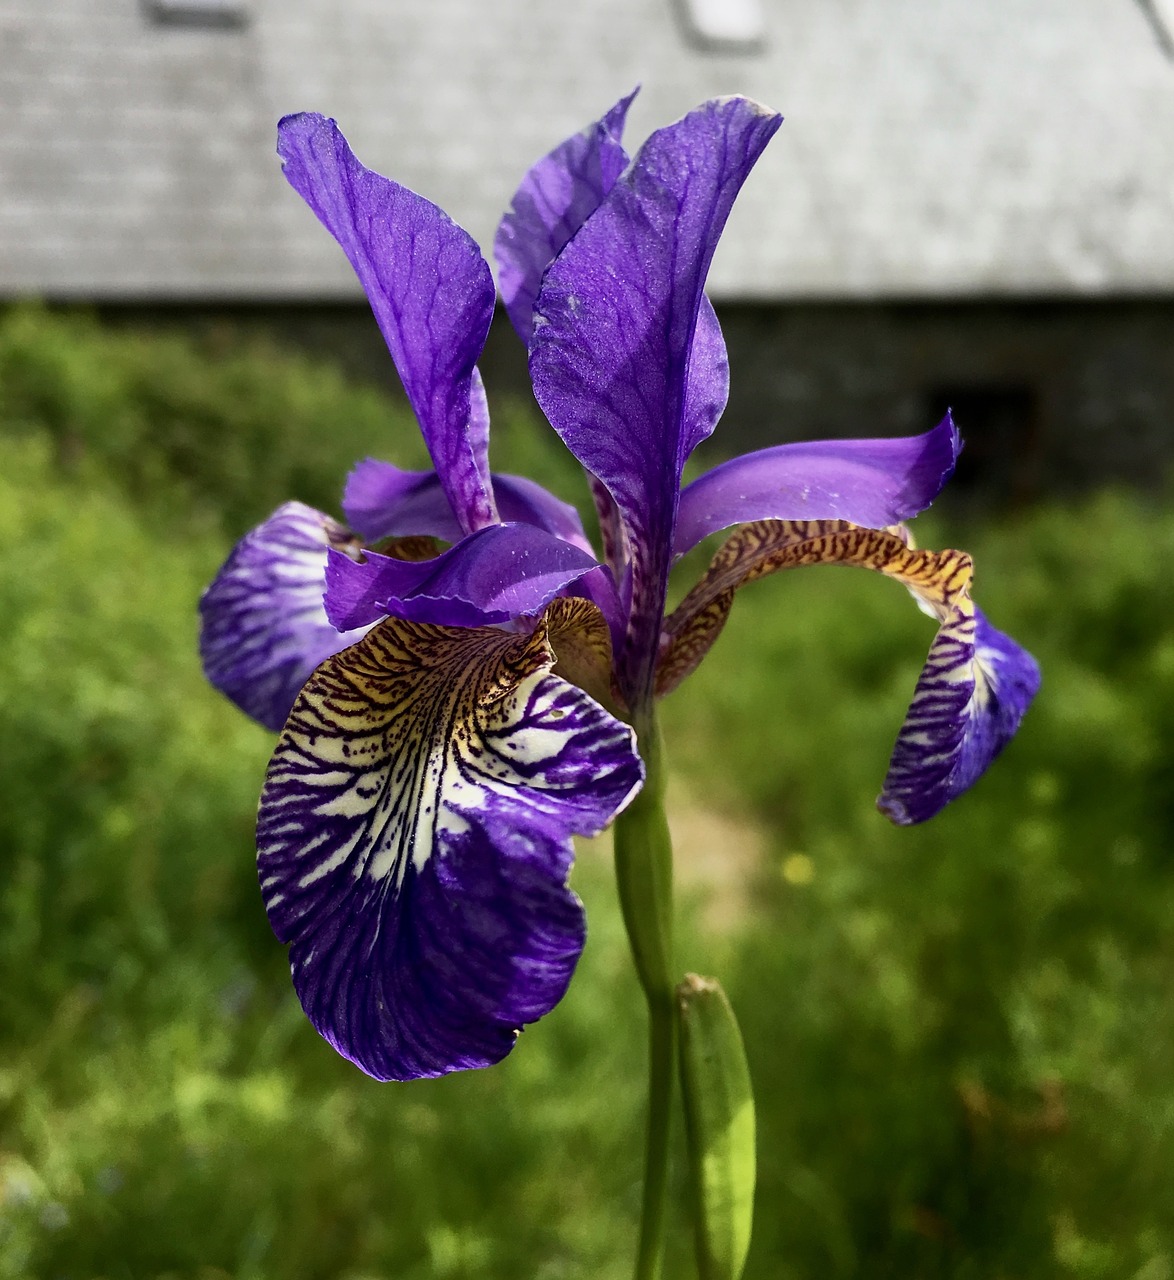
414,841
502,572
555,198
263,628
874,483
615,325
430,290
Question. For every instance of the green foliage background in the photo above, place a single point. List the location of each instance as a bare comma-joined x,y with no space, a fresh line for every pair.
962,1036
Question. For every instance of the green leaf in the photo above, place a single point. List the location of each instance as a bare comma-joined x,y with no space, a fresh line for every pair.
719,1127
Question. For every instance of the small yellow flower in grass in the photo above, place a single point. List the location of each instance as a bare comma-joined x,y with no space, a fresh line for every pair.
798,869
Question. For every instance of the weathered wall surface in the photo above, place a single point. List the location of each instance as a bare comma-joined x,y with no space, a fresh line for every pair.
938,148
1048,395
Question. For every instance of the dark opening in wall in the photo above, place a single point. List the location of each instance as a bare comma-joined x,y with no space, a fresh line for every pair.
1001,439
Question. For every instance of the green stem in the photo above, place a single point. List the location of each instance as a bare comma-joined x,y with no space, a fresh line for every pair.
644,872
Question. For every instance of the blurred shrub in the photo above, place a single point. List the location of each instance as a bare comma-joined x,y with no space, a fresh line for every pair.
236,435
242,433
964,1030
164,1105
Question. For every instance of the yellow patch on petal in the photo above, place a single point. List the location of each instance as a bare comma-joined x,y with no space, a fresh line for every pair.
415,547
578,634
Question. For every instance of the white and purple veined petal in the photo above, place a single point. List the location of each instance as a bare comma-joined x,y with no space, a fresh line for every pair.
873,483
429,287
615,325
263,626
414,841
976,685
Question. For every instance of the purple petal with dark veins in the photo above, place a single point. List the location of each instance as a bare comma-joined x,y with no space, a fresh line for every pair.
503,572
429,287
263,628
874,483
976,684
615,323
478,429
555,198
973,692
414,842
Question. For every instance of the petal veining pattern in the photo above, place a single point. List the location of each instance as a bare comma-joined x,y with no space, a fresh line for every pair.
973,690
614,331
429,287
263,626
414,840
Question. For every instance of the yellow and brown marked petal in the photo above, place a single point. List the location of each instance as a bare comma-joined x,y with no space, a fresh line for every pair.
767,546
414,840
976,684
578,633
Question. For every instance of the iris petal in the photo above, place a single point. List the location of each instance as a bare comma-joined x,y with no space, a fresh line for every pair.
382,501
263,628
708,381
414,840
498,573
553,201
430,290
615,324
525,501
973,692
874,483
975,688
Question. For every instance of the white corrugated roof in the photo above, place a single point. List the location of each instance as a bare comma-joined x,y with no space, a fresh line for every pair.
932,147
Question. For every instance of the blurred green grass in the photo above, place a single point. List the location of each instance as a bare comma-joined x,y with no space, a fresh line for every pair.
962,1036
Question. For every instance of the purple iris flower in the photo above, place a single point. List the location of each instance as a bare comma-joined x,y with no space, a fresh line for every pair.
450,718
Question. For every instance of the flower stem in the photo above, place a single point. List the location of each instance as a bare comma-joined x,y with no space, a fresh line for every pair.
644,871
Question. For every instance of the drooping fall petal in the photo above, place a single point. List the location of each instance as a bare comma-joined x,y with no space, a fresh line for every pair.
976,684
414,840
972,695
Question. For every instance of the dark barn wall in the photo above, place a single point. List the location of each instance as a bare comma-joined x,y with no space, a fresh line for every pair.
1050,396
